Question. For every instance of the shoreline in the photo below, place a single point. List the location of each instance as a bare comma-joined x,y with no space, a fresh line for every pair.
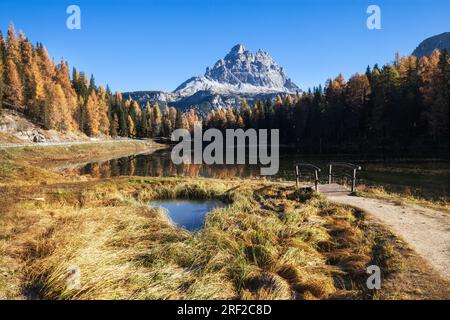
51,221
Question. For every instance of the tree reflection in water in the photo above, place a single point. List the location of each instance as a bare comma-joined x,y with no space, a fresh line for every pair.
159,164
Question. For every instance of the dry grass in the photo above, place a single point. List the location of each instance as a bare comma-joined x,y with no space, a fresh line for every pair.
28,166
270,242
9,138
379,192
52,155
264,245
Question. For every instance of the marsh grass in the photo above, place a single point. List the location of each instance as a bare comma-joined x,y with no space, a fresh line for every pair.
400,199
269,242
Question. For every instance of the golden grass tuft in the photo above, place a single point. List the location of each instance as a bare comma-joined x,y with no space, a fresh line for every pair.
264,245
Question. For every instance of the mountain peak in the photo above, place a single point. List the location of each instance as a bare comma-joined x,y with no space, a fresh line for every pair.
426,47
241,71
238,49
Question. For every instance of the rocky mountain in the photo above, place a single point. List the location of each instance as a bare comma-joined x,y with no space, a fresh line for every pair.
240,74
426,47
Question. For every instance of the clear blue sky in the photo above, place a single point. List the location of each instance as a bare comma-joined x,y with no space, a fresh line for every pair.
157,44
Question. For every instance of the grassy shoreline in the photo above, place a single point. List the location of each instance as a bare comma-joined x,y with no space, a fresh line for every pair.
381,193
269,242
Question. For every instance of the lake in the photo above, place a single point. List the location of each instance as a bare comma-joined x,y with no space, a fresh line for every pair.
188,214
422,177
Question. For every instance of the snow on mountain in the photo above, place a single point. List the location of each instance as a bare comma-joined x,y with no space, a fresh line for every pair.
241,72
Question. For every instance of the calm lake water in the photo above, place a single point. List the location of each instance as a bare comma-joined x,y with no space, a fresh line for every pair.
188,214
427,178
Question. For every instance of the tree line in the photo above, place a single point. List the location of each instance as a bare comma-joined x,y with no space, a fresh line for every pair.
401,106
32,83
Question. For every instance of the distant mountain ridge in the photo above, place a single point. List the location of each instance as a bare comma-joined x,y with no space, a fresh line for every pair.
426,47
240,74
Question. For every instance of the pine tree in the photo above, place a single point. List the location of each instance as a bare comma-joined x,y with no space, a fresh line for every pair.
144,124
2,48
179,120
76,80
114,126
83,86
121,114
92,86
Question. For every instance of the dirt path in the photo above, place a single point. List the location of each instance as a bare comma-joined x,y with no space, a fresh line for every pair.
427,231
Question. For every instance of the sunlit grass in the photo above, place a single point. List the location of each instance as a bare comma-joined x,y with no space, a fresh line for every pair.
403,198
264,245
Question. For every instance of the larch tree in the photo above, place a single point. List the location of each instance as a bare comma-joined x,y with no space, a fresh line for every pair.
46,65
131,127
92,115
12,45
102,107
37,106
2,67
157,120
59,102
62,77
29,90
13,85
173,118
149,112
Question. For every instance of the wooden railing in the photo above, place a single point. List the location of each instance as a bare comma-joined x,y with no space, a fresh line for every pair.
308,170
352,175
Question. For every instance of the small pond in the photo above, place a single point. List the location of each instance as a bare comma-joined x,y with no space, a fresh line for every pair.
188,214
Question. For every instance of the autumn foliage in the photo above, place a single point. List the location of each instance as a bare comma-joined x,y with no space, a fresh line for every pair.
32,83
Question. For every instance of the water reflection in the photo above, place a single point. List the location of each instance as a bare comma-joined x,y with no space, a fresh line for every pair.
426,178
188,214
159,164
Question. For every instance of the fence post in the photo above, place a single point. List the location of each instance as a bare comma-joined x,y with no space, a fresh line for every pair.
354,180
330,174
316,180
296,177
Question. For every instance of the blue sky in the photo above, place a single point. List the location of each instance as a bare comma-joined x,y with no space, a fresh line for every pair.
158,44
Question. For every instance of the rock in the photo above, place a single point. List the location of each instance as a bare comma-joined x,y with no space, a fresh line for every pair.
426,47
38,138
